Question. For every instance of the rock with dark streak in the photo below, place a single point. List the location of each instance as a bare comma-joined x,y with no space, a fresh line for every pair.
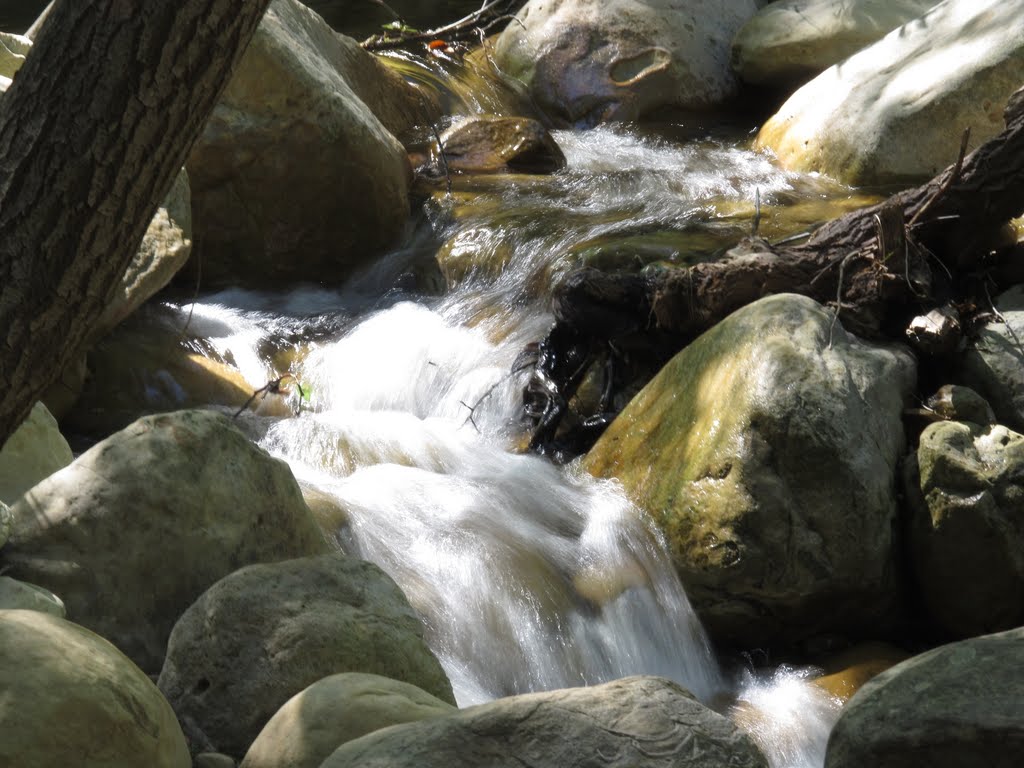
636,722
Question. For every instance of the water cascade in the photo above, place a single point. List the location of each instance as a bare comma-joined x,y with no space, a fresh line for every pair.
528,576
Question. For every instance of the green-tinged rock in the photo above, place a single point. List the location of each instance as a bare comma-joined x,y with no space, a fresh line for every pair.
966,488
792,40
489,144
17,595
994,361
69,698
294,177
896,111
766,451
266,632
628,723
35,451
133,531
958,706
590,61
336,710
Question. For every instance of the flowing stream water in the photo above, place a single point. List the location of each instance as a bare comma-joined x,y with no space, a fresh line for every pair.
528,576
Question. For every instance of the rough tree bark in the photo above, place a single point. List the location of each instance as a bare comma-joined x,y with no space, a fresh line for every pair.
92,132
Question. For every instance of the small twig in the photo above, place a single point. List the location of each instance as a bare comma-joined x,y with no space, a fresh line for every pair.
517,367
273,387
949,181
444,160
839,296
463,26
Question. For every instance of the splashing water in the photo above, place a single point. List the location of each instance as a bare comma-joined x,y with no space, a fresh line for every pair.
527,576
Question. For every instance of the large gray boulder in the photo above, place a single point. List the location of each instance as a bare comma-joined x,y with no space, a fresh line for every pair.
266,632
767,450
590,61
134,530
35,451
958,706
993,362
69,698
896,110
295,177
336,710
793,40
636,722
966,489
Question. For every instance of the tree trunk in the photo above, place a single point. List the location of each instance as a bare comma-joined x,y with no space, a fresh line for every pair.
93,130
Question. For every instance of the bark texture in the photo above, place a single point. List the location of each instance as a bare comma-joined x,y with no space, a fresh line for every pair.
93,130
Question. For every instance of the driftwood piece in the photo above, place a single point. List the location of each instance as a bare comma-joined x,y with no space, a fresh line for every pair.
877,267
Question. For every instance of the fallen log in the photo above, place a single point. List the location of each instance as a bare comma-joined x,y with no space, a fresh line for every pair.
878,268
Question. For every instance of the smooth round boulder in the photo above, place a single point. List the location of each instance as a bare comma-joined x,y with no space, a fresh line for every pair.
965,485
957,706
294,177
68,697
263,634
627,723
895,112
589,61
792,40
134,530
333,711
766,451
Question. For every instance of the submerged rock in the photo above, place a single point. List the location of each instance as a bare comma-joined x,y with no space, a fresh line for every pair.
70,698
994,362
848,671
966,488
955,706
295,177
336,710
35,451
628,723
495,144
133,531
896,110
591,61
766,450
263,634
793,40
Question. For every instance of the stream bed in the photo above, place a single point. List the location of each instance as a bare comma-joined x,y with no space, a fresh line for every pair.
528,576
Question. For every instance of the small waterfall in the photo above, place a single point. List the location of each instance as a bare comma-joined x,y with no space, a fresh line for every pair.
528,576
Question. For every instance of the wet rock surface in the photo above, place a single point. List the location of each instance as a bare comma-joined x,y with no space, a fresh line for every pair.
767,450
263,634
